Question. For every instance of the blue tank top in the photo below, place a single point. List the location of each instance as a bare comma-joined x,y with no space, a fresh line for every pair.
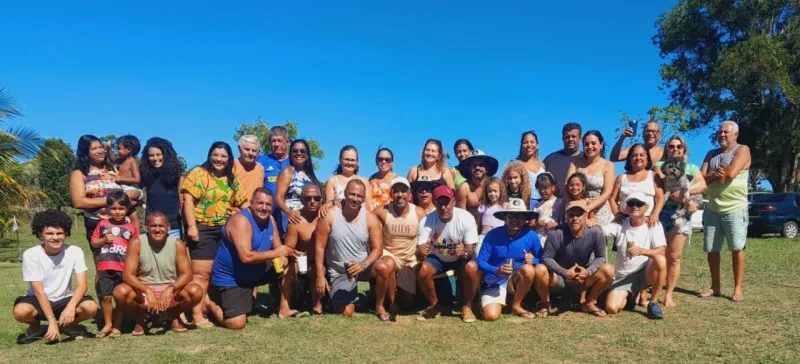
272,169
228,270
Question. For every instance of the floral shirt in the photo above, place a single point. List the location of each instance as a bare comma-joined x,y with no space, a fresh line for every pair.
215,198
381,193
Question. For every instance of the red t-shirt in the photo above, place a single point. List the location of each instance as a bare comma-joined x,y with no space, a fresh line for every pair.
112,256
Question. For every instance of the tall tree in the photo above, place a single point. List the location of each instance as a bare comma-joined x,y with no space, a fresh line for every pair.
56,160
260,129
739,60
17,144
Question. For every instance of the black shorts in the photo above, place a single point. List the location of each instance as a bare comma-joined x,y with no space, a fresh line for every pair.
90,225
237,301
206,248
107,280
57,306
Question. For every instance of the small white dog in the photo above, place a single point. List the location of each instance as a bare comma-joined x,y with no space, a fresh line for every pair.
675,179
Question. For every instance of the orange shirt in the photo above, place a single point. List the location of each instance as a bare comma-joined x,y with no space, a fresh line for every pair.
249,180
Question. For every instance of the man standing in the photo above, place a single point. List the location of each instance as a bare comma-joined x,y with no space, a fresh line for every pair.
558,162
157,277
400,219
726,171
249,243
249,172
48,269
446,240
517,243
640,260
567,257
651,136
300,238
351,240
273,164
479,167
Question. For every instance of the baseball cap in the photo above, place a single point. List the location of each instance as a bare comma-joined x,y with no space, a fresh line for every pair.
581,204
443,191
636,196
399,180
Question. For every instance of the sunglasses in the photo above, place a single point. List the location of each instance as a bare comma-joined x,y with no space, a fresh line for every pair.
299,151
675,146
309,198
635,203
384,160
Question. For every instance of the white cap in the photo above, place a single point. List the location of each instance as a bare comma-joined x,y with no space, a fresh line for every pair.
399,180
636,196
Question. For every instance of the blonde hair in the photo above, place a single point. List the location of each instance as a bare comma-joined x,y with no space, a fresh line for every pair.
440,165
525,184
501,186
683,142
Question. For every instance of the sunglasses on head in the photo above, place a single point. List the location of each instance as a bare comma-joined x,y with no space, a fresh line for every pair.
299,151
635,203
309,198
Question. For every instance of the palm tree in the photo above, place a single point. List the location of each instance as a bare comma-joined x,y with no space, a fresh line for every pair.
17,144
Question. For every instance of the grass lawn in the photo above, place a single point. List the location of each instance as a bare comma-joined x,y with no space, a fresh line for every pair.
765,328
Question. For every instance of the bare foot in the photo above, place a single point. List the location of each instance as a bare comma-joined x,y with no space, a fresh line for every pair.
710,292
668,301
738,296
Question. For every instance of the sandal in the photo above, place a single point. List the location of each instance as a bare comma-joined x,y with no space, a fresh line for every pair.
205,324
384,316
295,314
115,334
525,314
177,326
139,330
594,310
29,336
103,334
542,310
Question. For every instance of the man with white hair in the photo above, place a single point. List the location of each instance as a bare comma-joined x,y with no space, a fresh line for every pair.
249,172
726,171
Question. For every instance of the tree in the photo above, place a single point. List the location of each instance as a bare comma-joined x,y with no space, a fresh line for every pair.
56,160
260,129
739,60
17,144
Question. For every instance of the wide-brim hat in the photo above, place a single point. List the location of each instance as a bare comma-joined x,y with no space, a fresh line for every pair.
491,164
516,206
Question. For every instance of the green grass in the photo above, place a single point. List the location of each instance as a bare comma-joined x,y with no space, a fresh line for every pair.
765,328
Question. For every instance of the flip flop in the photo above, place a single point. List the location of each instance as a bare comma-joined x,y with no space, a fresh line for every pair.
205,324
103,334
596,312
115,334
525,314
142,330
384,317
295,314
30,336
542,311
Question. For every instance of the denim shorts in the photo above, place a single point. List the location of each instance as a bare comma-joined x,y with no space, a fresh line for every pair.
719,227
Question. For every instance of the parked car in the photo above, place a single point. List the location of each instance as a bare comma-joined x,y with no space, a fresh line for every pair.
774,213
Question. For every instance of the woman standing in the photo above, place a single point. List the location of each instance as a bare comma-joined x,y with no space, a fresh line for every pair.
289,187
161,179
529,155
463,150
91,182
382,179
210,194
347,170
432,165
638,177
599,174
677,237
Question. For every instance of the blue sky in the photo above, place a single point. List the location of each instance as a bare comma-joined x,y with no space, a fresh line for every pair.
357,73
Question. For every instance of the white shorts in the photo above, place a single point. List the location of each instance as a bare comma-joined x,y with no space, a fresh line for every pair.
495,294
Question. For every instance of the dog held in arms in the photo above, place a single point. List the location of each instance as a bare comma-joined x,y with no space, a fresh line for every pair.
675,179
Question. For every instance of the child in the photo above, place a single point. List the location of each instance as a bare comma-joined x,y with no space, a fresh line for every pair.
494,200
576,187
128,177
111,237
548,207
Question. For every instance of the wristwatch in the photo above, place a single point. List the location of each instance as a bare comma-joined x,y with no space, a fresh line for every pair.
364,265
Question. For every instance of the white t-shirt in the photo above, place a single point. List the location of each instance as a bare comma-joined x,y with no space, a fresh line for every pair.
642,237
55,272
445,236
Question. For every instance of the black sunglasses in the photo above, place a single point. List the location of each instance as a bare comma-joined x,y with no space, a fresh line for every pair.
309,198
385,160
299,151
635,203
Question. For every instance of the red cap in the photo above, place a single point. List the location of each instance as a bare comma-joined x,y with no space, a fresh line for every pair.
443,190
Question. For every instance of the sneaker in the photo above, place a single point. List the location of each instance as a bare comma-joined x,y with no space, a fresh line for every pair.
654,311
467,315
430,313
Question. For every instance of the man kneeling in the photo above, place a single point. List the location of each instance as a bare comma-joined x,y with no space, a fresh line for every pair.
48,268
157,277
640,260
517,243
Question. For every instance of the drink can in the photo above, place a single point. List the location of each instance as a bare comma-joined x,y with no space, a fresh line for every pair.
302,264
276,263
633,124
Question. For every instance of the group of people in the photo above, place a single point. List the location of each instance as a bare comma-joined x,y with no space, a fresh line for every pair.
540,227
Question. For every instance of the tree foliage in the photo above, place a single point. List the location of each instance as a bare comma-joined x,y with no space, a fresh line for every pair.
260,129
738,60
17,145
56,160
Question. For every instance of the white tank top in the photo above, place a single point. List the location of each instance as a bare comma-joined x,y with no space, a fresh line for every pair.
646,186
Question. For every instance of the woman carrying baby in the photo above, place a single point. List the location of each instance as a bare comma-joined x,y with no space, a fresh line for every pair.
677,150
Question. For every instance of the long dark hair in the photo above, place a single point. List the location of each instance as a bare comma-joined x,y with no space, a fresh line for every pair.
82,159
629,165
522,139
170,172
600,138
228,167
341,153
308,167
465,142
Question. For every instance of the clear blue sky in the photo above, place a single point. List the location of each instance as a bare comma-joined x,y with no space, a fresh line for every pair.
357,73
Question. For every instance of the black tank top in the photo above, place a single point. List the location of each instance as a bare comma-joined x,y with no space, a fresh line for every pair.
439,181
161,198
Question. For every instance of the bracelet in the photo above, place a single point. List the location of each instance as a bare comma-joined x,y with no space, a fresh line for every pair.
51,316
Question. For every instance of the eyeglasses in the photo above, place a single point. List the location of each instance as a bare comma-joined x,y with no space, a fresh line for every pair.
384,160
299,151
635,203
651,131
309,198
675,146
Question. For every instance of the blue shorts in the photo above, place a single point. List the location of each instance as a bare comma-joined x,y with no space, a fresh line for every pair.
720,227
441,266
